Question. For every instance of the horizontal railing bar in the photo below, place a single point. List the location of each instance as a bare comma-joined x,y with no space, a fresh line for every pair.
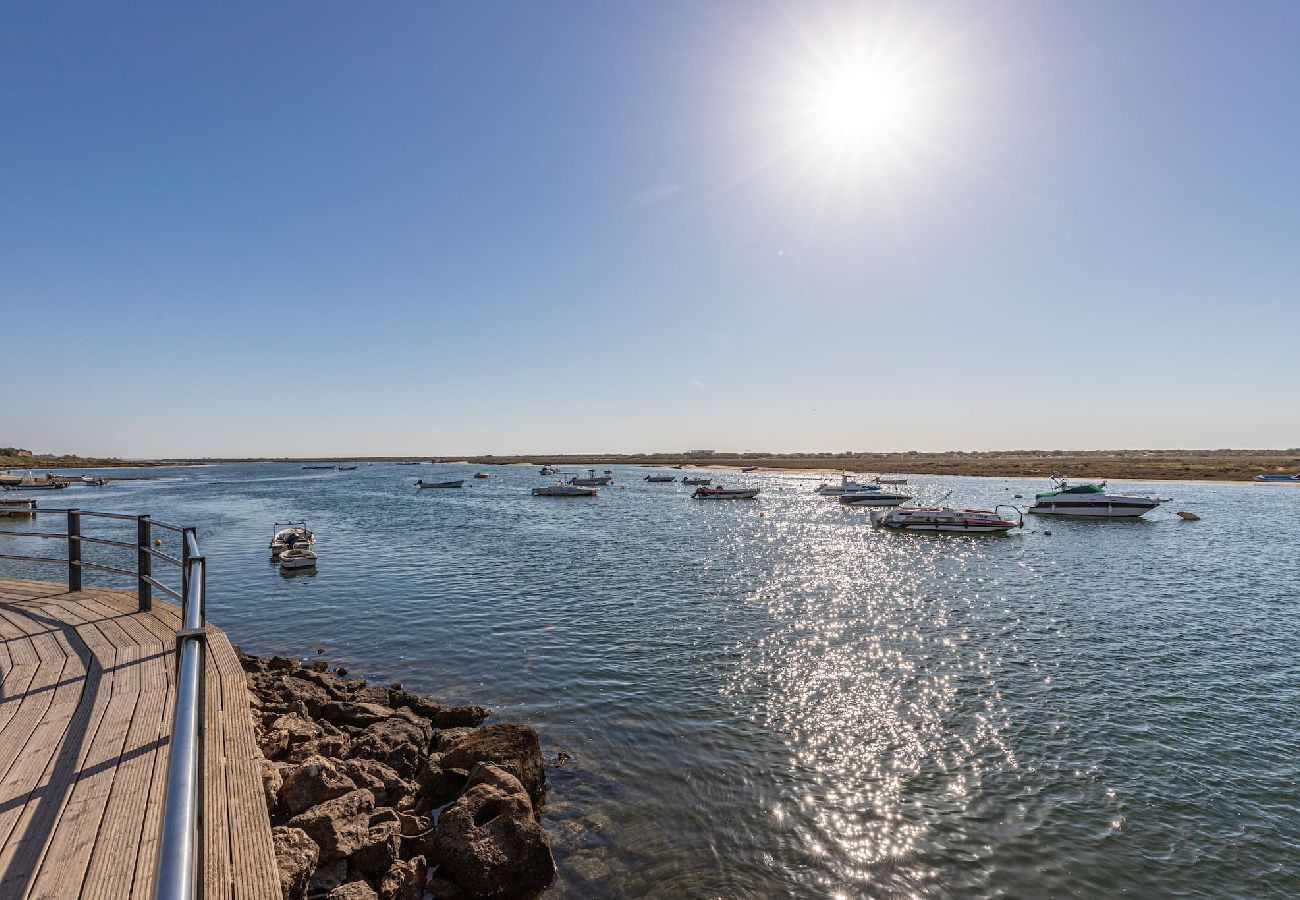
102,568
158,554
38,534
33,558
170,527
106,542
158,585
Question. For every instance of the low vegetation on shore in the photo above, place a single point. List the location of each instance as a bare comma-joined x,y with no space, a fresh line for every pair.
378,794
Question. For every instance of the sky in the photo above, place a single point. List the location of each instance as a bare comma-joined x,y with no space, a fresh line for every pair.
325,228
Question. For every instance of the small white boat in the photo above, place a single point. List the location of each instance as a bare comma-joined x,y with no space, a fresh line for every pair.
696,479
749,468
440,484
942,518
564,490
482,474
298,558
290,535
1091,500
96,480
591,479
873,496
846,485
880,479
661,479
725,493
1283,478
549,470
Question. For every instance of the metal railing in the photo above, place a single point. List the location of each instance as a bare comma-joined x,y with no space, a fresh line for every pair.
180,850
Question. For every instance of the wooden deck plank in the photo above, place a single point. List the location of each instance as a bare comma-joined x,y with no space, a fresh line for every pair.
86,700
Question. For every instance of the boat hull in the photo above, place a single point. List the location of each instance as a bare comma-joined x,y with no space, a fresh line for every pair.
946,521
1130,508
724,494
440,484
564,491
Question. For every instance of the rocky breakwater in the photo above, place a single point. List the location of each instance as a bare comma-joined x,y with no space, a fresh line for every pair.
374,792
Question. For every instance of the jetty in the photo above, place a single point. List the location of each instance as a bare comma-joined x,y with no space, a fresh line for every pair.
128,765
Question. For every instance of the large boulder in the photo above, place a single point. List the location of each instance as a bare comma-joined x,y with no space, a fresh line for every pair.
382,848
353,890
396,742
298,727
404,880
338,826
333,746
296,856
441,716
316,780
489,841
380,779
515,748
347,712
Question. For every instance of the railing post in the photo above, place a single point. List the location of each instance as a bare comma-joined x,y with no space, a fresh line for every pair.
185,567
143,564
74,551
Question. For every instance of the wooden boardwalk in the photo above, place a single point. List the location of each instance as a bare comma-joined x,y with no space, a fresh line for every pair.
87,685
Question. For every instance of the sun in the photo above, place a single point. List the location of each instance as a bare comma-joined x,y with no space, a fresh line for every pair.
861,107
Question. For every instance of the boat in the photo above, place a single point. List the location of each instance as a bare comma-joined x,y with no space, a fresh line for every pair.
440,484
347,468
696,479
1067,499
591,479
725,493
749,468
943,518
17,506
550,470
873,496
661,479
559,489
846,485
880,479
289,535
482,474
416,463
1287,478
31,483
298,558
319,467
96,480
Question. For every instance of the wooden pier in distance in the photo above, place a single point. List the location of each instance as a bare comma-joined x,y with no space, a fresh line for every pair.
87,688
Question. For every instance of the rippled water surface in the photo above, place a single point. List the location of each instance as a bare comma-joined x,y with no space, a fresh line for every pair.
771,698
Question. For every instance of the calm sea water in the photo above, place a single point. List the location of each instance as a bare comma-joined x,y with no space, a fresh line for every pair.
773,699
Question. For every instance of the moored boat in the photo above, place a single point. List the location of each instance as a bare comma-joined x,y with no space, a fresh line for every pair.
749,468
549,470
944,519
455,483
320,467
1067,499
661,479
1286,478
564,490
289,535
725,493
880,479
591,479
873,496
347,468
31,483
482,474
298,558
696,479
846,486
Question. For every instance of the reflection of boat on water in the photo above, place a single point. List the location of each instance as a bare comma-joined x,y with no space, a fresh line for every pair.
942,518
564,490
289,535
298,558
440,484
591,479
725,493
661,479
1066,499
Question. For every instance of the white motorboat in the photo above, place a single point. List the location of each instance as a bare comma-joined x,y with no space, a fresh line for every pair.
289,535
942,518
661,479
880,479
564,490
873,496
846,485
725,493
549,470
298,558
591,479
482,474
696,479
1067,499
30,483
440,484
1288,479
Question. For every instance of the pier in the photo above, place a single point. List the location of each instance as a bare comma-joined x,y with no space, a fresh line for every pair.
127,754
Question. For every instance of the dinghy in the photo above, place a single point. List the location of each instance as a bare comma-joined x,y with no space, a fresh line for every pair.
482,474
725,493
298,558
661,479
564,490
440,484
942,518
696,479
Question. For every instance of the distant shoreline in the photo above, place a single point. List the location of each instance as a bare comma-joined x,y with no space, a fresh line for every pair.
1133,465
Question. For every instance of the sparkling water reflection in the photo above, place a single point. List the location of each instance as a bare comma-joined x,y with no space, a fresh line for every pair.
772,698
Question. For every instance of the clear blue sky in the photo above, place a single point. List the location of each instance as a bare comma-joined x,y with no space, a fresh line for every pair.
301,228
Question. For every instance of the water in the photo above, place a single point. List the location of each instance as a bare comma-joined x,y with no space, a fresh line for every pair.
770,698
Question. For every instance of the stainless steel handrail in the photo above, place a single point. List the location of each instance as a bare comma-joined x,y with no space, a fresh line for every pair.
178,875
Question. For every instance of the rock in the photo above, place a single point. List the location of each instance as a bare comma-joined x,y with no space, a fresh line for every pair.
333,746
347,712
328,876
447,738
295,857
317,780
250,663
281,663
317,665
441,716
404,880
382,848
441,888
489,841
271,781
297,726
393,741
417,835
515,748
341,672
338,826
353,890
440,785
274,744
381,780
